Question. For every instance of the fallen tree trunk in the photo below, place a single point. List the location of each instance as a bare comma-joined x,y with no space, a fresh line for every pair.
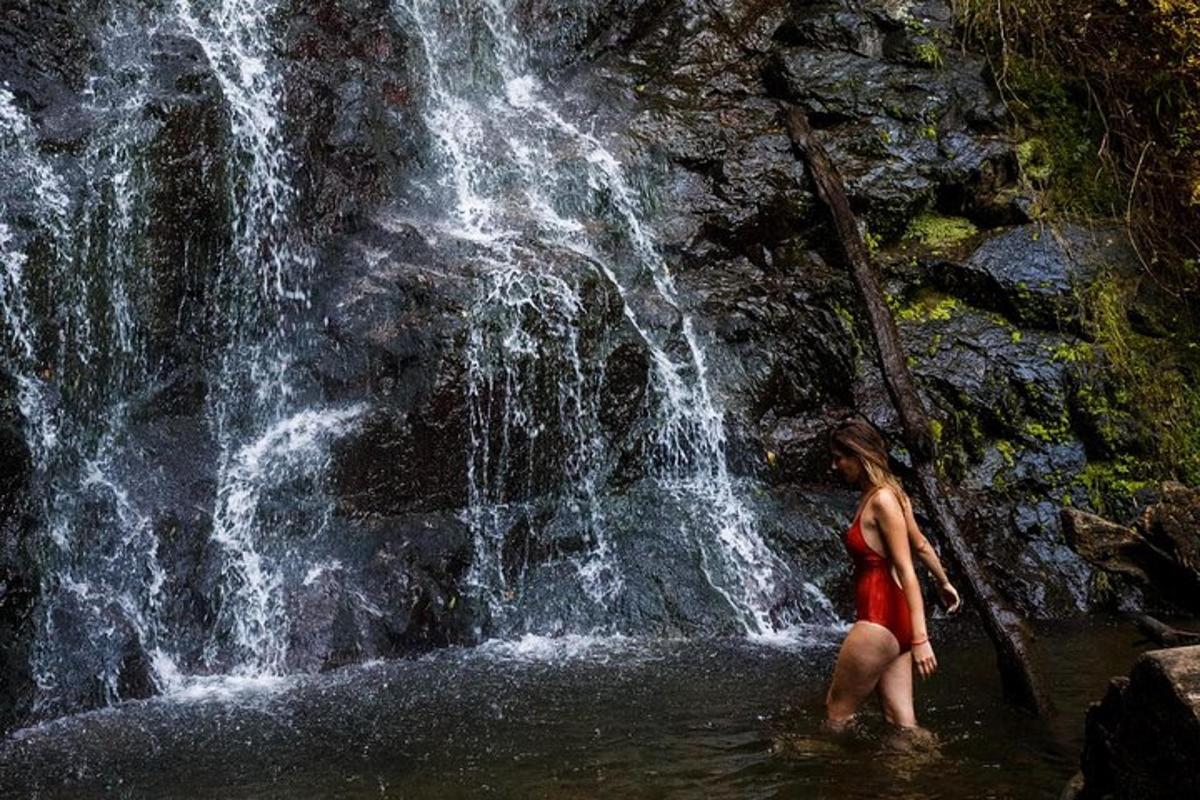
1006,629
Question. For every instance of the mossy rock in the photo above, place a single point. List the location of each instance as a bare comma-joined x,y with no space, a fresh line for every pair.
940,234
1032,273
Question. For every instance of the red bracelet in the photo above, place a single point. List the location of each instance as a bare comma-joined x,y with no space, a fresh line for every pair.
923,641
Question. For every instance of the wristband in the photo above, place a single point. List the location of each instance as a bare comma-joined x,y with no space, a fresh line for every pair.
922,641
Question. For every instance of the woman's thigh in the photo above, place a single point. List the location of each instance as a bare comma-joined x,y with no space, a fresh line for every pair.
896,691
866,653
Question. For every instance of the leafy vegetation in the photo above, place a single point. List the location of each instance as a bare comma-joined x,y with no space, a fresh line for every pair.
1157,381
1105,98
1107,93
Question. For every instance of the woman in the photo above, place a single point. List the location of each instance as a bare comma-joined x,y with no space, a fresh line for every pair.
889,635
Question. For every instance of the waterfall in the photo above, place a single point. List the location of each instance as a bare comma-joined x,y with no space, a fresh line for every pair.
256,399
76,344
76,353
553,213
580,524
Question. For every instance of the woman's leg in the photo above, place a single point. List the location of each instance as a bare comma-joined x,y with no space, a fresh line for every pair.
865,655
896,692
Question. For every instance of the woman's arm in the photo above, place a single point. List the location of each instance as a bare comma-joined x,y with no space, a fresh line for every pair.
929,557
889,517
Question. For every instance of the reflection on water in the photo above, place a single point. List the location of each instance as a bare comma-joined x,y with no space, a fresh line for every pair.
623,718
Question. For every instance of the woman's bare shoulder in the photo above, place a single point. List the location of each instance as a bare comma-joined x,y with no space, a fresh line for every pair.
885,501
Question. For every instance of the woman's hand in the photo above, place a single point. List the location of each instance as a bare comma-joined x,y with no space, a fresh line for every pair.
924,659
949,597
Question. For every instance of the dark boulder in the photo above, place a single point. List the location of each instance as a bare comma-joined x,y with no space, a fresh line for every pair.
1142,741
1160,553
190,229
45,52
909,123
393,593
394,324
1031,273
1173,524
19,575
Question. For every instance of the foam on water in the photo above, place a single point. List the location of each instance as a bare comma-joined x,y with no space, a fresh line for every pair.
533,648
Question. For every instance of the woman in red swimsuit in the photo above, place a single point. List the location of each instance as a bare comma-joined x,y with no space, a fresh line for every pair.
889,635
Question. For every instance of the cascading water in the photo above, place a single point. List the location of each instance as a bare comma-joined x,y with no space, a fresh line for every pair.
74,280
69,311
259,410
558,223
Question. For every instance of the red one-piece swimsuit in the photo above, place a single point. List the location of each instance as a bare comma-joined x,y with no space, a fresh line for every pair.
877,596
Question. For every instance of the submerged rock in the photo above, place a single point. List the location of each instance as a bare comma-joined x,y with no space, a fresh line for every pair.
19,574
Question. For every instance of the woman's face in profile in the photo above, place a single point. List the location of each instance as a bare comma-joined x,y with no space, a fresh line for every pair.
846,466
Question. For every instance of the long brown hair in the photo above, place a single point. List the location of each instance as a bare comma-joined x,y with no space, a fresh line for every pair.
858,438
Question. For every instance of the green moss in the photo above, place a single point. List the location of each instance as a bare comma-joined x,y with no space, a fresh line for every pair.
929,54
1016,336
872,242
1110,484
1060,152
1102,592
928,305
1156,380
1073,353
1035,159
935,343
936,429
939,233
1007,451
1045,433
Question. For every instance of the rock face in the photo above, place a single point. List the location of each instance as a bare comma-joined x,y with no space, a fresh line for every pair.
1143,738
18,576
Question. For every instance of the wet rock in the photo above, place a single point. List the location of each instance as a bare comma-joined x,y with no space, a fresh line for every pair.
833,26
18,597
135,676
394,320
19,574
976,362
798,448
908,125
1159,553
1107,429
418,575
347,69
1173,524
415,578
1143,739
560,31
45,47
1030,273
626,375
190,231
